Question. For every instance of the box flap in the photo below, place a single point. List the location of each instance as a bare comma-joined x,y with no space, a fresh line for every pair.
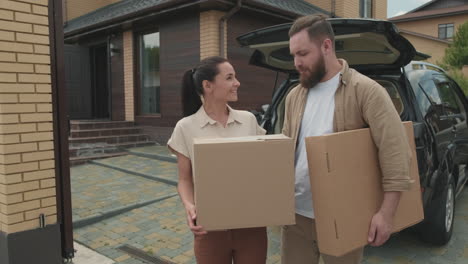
203,140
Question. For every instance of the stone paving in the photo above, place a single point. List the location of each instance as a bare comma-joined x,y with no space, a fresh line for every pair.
144,165
96,189
159,229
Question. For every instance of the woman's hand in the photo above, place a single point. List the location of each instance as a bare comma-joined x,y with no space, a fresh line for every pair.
191,221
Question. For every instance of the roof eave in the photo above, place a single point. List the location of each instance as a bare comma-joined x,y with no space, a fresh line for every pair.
395,20
178,5
424,36
154,10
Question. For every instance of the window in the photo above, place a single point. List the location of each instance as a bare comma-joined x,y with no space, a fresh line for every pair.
366,8
446,31
149,79
452,105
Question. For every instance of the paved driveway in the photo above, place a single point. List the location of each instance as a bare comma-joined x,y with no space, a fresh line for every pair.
129,201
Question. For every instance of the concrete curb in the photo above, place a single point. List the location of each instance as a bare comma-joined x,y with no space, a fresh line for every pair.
114,212
153,156
144,175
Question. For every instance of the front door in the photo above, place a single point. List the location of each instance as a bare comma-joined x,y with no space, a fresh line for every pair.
100,82
78,81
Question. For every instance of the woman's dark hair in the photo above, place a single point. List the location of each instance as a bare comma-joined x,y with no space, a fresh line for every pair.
192,87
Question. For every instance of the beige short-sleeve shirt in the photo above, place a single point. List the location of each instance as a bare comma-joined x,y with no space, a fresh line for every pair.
239,124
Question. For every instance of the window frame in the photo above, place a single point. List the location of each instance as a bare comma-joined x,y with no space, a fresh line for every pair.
137,37
366,8
445,28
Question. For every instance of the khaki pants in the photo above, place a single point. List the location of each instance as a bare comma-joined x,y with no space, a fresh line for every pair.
239,246
299,245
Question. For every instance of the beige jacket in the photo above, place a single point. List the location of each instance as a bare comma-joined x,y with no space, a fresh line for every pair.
361,102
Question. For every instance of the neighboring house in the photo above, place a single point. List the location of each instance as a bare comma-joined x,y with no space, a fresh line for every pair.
431,27
125,59
354,8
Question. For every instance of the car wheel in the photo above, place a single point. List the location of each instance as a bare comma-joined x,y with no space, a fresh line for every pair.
438,226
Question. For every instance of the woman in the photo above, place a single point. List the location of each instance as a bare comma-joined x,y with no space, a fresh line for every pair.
214,79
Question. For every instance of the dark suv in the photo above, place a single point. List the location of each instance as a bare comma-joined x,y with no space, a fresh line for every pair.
421,92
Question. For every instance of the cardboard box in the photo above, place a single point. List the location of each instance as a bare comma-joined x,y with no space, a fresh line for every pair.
244,182
346,189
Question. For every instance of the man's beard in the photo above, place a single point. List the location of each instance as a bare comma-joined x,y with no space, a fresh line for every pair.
315,75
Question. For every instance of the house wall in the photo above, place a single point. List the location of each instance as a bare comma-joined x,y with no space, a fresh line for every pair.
117,79
351,8
27,175
76,8
256,83
348,8
380,9
430,26
209,33
179,51
431,47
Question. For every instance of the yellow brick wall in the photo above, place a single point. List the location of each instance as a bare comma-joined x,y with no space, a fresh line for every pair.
128,75
351,8
27,175
76,8
379,10
431,47
324,4
209,34
431,26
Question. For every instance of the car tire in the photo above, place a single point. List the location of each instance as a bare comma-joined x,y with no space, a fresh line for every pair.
437,228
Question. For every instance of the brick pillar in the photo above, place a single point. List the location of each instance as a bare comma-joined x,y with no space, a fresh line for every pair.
128,76
209,34
27,175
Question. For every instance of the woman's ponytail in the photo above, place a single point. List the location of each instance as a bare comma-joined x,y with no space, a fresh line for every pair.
191,100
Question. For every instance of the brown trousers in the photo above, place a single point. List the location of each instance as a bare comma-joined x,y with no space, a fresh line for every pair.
299,245
238,246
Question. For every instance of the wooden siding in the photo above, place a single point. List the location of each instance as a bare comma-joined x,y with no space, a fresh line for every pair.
256,83
179,51
117,75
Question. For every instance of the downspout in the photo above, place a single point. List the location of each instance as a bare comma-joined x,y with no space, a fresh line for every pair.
224,20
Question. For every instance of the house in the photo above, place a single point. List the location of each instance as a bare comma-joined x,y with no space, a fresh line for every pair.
431,27
354,8
125,59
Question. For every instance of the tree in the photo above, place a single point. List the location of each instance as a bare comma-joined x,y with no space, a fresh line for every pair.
456,55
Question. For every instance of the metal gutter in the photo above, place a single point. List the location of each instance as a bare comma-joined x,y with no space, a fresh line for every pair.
222,22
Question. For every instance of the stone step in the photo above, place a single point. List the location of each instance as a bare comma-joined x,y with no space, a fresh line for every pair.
89,149
118,139
80,133
85,124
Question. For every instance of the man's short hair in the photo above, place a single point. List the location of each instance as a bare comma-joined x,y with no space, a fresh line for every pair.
317,27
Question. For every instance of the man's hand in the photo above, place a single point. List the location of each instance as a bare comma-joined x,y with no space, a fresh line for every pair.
380,229
191,221
382,222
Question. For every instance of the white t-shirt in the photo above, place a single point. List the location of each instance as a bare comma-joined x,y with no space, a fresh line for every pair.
317,120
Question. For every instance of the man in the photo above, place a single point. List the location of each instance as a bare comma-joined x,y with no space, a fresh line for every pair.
331,97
